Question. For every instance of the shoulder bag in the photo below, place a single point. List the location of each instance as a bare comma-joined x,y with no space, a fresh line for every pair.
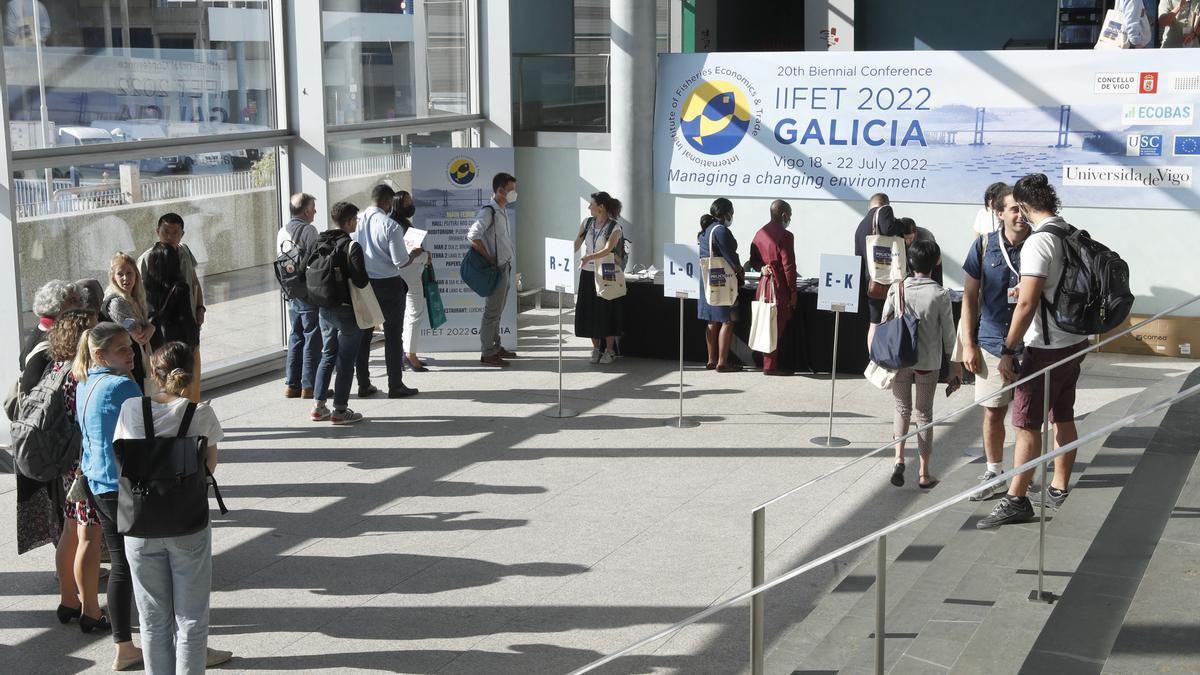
478,273
720,279
895,343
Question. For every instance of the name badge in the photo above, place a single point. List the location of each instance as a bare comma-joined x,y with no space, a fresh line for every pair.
1013,295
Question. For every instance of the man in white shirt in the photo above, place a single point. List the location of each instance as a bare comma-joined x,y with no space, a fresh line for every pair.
1042,262
1137,31
304,341
1180,20
491,236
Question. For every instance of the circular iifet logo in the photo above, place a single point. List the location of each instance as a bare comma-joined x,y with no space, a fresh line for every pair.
715,117
461,171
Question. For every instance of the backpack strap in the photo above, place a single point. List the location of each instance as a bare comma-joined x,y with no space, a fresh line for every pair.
216,490
187,419
148,417
1044,304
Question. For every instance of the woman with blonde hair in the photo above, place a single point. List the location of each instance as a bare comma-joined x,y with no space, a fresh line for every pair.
172,576
102,365
125,303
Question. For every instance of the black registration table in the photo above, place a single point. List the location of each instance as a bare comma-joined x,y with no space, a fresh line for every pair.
806,346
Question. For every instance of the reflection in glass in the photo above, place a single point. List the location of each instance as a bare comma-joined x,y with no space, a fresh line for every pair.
136,70
357,166
394,60
230,206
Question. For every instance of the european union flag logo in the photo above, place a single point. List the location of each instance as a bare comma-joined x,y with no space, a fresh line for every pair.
1187,145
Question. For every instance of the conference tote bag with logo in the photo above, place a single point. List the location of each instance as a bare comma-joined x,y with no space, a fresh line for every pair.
764,327
887,260
610,279
720,279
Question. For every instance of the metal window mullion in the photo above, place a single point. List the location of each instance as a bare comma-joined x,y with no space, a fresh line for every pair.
117,152
395,128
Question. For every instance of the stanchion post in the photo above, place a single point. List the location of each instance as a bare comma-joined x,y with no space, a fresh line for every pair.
758,576
829,440
560,412
880,601
682,422
1041,595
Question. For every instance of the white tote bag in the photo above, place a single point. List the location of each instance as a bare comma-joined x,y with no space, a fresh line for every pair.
720,279
764,327
367,313
887,259
610,278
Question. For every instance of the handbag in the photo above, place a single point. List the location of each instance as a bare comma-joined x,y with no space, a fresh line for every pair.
477,272
720,279
433,298
163,484
895,343
609,278
764,326
879,376
887,260
367,312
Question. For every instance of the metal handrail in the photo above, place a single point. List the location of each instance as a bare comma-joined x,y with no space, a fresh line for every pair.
973,404
880,535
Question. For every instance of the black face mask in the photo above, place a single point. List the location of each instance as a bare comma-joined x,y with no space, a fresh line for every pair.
407,212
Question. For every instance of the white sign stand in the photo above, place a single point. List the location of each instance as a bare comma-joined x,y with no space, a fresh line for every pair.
560,274
681,267
837,292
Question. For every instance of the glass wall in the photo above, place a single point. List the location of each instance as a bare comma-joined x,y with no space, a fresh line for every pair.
82,72
395,60
358,165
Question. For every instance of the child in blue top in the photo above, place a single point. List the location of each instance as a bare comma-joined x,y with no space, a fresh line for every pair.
102,367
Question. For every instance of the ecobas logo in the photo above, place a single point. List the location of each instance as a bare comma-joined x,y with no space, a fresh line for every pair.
716,116
461,171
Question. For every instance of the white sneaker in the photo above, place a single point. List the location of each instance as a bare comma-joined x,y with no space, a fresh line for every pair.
595,356
607,357
987,493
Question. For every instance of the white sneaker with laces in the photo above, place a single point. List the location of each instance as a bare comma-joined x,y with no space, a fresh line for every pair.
987,493
607,357
595,356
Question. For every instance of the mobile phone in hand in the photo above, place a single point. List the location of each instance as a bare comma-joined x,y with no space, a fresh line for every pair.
953,386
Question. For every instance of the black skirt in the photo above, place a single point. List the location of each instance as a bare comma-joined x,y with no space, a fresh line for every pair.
596,317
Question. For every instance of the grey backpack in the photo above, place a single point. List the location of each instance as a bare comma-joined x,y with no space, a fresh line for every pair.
45,442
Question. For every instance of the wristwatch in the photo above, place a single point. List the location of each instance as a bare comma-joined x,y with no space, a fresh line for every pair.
1005,351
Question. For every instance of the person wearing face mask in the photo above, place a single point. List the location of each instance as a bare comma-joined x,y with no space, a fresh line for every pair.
403,210
714,232
773,251
491,235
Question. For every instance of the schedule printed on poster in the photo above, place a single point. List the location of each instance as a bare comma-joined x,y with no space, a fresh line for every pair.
681,271
560,265
837,287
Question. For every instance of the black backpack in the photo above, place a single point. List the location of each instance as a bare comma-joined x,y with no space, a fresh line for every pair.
1093,295
324,278
163,483
290,268
45,443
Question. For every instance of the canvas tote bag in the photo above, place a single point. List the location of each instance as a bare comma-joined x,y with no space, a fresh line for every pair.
887,260
720,279
764,327
367,313
610,279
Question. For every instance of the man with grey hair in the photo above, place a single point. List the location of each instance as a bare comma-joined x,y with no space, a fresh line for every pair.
52,299
304,341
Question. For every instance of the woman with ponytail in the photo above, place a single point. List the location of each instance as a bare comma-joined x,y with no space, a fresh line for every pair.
714,228
172,576
103,362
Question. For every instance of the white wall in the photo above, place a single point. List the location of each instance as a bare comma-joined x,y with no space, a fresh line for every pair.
1162,247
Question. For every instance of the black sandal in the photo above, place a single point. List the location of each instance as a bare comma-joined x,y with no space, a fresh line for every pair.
898,475
926,481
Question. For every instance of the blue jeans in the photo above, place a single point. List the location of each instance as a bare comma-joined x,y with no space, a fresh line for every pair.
304,344
172,577
342,337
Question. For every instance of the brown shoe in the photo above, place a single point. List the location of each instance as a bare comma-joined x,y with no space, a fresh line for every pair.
505,354
291,392
306,393
495,360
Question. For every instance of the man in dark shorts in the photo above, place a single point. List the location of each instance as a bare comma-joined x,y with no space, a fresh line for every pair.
888,225
1046,343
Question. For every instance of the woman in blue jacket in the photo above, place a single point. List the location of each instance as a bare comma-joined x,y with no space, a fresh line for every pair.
714,229
102,367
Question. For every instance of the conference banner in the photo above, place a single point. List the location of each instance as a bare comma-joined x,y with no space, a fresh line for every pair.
450,185
1110,128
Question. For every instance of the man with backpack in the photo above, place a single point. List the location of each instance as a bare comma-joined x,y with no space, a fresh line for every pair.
1070,287
992,268
295,242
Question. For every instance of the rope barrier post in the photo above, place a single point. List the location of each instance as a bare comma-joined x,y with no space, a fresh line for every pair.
829,440
681,422
560,412
880,600
1041,594
758,576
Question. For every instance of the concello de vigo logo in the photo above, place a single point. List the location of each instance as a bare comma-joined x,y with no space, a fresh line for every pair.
461,171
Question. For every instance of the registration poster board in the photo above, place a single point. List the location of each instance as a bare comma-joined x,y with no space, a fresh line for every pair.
837,285
1112,129
681,271
560,265
450,185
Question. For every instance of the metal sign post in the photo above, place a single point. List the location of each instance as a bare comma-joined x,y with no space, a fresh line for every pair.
560,412
682,422
837,293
